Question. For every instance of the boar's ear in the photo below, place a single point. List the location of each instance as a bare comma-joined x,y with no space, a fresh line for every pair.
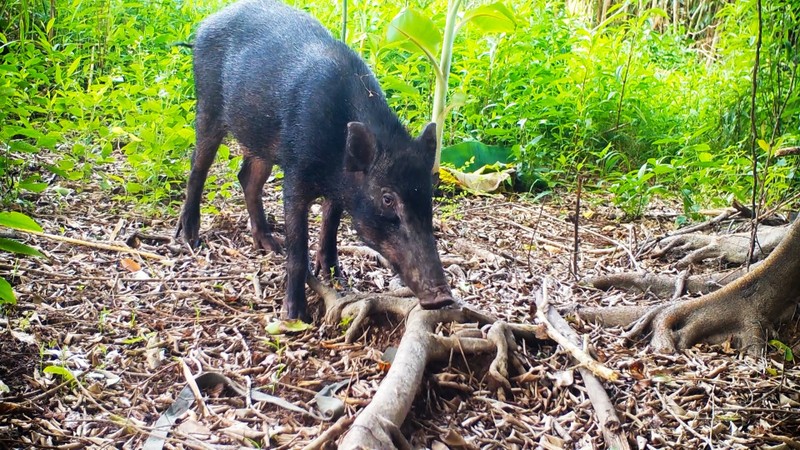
428,139
359,148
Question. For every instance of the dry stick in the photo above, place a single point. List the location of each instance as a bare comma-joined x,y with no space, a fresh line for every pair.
78,276
539,238
187,373
753,137
702,226
331,434
576,237
606,415
780,205
542,313
113,248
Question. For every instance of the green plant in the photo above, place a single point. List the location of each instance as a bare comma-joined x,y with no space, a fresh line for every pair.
17,221
414,31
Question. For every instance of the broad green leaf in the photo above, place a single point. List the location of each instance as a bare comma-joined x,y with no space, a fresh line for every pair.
494,18
6,293
763,144
392,83
414,32
74,66
642,171
133,187
33,186
13,246
61,371
287,326
22,146
705,157
473,154
18,221
661,170
788,355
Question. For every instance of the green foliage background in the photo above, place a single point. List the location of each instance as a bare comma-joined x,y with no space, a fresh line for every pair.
94,91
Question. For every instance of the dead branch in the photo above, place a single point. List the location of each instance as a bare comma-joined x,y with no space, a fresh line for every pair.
99,245
606,414
542,312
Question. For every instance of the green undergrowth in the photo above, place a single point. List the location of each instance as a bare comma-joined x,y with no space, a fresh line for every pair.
96,92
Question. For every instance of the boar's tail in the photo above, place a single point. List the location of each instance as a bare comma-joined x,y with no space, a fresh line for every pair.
182,44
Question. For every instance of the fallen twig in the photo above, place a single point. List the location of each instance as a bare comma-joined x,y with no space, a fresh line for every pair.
100,245
331,434
606,415
542,312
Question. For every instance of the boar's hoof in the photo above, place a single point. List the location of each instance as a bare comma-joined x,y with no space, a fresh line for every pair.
268,243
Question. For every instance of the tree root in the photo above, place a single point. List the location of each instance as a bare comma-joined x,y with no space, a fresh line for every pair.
378,424
666,286
730,248
744,311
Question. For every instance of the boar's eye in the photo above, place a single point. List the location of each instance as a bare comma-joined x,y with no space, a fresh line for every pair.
388,200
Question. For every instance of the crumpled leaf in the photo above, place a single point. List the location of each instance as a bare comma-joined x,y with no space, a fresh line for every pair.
562,378
130,265
25,338
328,405
454,440
480,180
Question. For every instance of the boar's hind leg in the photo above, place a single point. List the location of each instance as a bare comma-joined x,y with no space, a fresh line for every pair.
252,176
327,261
209,131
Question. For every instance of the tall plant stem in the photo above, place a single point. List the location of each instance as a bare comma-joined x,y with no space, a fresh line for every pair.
754,138
344,21
440,90
625,80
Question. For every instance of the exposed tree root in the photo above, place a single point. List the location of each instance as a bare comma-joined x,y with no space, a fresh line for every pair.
666,286
743,311
378,424
730,248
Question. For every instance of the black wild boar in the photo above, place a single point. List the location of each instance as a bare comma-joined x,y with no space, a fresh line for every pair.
291,94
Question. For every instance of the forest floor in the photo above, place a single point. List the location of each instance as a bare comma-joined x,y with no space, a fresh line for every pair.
130,330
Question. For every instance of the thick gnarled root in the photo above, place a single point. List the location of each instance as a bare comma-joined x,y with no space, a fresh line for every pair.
729,248
663,285
744,312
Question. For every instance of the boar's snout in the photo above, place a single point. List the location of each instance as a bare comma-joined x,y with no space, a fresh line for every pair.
436,298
